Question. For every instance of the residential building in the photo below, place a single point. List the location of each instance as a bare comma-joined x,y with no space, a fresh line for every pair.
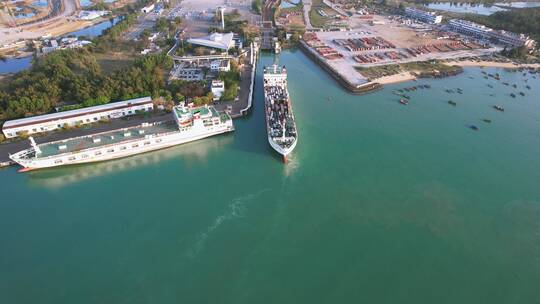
424,16
147,9
220,65
513,39
217,88
482,32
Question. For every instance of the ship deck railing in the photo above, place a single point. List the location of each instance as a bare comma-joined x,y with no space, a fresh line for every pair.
167,129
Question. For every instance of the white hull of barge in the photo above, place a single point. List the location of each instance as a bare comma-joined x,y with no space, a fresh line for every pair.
156,143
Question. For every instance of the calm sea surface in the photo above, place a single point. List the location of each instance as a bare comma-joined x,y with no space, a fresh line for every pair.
381,203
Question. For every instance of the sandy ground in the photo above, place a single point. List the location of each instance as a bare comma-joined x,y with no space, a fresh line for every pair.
197,26
401,77
465,63
57,25
407,76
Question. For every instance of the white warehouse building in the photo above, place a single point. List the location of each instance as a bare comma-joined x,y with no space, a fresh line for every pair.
147,9
428,17
50,122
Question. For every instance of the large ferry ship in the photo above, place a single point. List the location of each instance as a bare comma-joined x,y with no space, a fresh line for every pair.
280,123
189,124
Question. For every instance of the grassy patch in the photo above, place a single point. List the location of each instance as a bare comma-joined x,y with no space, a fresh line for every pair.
379,71
422,69
110,63
316,19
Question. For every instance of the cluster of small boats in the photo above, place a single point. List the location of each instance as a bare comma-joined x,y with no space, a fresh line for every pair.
404,98
496,76
452,91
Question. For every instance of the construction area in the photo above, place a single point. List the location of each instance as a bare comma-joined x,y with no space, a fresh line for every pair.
198,15
25,20
378,40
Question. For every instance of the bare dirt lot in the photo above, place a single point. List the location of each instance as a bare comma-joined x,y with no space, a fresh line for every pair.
401,36
198,14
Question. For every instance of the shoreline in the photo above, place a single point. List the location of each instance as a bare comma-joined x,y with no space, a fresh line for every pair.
494,64
62,31
409,76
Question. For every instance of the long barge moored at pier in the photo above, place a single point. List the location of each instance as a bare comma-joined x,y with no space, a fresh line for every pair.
280,123
189,124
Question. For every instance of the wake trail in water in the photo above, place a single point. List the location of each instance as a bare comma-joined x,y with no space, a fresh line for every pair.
236,209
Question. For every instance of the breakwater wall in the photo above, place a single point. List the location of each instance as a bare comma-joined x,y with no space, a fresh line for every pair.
356,89
246,110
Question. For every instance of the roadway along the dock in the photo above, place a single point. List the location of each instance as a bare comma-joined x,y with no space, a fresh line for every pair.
243,94
16,146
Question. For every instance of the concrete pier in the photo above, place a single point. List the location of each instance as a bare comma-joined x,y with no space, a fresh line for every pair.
343,81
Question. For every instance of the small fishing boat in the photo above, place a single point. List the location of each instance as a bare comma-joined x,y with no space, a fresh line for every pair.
473,127
521,93
450,102
485,77
490,85
406,96
528,87
403,101
513,95
514,86
498,108
486,120
505,83
427,86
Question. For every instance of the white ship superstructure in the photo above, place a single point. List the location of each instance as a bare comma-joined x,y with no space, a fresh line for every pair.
280,123
189,124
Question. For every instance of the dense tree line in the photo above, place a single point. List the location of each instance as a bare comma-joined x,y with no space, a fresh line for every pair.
256,6
74,76
526,20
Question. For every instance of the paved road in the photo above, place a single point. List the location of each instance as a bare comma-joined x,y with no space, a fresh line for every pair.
16,146
307,8
145,21
243,95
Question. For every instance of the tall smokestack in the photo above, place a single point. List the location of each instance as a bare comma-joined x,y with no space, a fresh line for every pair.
222,9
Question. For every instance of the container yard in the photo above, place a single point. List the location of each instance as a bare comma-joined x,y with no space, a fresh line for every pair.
386,40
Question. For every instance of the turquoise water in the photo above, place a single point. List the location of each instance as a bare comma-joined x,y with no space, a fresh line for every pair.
381,203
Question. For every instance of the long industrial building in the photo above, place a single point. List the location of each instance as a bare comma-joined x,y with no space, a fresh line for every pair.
427,17
482,32
50,122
